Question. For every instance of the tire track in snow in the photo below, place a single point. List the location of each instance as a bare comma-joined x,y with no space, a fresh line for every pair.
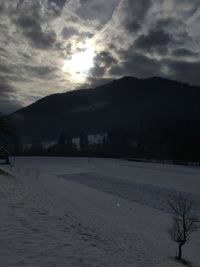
145,194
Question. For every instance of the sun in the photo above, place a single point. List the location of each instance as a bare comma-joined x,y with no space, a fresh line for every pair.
79,64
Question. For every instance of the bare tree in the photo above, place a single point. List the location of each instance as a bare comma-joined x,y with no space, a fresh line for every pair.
185,221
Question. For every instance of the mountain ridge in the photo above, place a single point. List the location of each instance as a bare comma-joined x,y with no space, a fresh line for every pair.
84,90
125,102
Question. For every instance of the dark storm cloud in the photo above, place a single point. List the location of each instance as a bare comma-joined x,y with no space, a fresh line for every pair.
132,26
184,71
136,64
135,12
102,64
105,59
32,29
183,52
174,27
154,40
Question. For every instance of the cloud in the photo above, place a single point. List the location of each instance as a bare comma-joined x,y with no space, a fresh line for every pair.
183,70
68,32
7,106
184,53
135,64
142,38
41,71
8,101
43,39
59,3
98,10
102,63
154,40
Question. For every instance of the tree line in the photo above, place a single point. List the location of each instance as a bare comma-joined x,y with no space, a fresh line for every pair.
127,143
176,143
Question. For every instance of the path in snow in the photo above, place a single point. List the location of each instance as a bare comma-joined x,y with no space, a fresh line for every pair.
145,194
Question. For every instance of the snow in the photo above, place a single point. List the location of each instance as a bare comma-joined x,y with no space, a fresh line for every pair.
92,212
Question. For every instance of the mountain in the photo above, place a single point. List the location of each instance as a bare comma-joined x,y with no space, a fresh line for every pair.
154,108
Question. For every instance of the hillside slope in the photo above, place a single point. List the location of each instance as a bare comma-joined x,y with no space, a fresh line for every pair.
154,104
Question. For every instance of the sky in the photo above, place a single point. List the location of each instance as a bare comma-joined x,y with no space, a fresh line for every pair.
54,46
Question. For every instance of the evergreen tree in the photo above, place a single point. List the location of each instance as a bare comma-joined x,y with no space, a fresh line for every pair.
62,139
83,141
69,143
118,141
61,143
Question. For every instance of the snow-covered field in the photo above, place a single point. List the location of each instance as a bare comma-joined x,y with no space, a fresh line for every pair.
92,212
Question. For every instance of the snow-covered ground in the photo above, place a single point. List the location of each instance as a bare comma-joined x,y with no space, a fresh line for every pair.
92,212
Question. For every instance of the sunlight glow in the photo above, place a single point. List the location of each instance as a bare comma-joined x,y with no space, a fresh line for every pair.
80,64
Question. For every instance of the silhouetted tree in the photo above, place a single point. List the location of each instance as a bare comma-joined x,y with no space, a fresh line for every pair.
5,127
83,142
185,221
104,142
9,137
69,143
62,139
118,141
